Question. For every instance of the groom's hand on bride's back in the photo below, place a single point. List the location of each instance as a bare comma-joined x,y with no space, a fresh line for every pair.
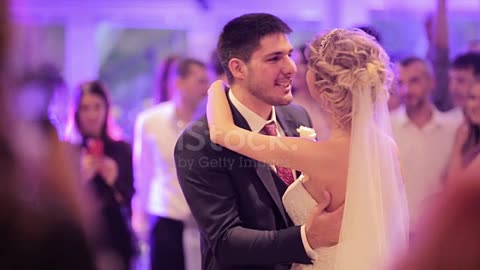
323,227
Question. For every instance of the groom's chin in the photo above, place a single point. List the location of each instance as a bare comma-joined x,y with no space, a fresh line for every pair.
284,100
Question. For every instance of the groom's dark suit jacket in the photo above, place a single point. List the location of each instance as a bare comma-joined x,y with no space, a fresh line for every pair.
237,201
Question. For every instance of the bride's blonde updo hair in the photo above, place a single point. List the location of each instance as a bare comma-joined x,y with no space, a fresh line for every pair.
345,62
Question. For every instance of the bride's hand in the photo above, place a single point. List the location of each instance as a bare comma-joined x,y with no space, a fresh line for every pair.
219,115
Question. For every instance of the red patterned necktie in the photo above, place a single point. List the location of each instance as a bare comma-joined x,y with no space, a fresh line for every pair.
284,173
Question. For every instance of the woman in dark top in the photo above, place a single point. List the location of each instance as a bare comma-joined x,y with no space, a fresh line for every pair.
465,159
106,168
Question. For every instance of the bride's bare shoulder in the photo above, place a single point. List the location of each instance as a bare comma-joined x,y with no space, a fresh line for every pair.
331,160
331,150
330,171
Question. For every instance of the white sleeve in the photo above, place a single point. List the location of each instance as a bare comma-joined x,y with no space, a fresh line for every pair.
310,252
143,173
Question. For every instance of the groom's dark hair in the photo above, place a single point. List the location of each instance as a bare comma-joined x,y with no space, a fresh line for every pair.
241,36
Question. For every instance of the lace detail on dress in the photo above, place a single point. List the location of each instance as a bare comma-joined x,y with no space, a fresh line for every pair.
299,203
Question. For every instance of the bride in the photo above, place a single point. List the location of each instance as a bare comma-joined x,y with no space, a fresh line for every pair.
348,74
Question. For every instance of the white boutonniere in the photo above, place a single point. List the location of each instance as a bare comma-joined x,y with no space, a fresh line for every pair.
308,133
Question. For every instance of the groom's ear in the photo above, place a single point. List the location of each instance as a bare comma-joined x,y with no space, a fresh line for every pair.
237,68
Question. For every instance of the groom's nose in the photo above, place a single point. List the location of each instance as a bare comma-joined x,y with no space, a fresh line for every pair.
289,67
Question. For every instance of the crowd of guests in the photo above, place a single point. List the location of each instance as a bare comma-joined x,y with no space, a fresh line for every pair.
94,202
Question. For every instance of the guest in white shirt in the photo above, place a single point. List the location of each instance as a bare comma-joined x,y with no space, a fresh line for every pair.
173,234
462,73
424,135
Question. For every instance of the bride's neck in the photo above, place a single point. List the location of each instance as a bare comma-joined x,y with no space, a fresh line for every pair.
338,132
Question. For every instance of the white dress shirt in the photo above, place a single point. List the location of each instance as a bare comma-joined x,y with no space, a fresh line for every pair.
424,156
157,190
456,114
156,183
256,123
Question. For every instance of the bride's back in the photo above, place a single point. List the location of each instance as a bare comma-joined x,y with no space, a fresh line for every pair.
349,74
342,65
330,172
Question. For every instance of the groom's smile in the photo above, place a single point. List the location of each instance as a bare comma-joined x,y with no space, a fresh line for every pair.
285,85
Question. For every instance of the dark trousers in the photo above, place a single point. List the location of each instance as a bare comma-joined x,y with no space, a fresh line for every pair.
166,244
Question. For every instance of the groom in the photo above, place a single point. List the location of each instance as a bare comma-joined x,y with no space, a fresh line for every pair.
235,200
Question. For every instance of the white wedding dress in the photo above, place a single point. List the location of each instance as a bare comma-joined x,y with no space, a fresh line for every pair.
299,203
375,218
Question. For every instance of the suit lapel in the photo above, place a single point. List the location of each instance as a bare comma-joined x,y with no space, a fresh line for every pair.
263,170
289,125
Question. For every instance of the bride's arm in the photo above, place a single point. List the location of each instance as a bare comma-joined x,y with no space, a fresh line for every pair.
291,152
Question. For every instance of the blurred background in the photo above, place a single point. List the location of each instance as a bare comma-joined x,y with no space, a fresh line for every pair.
94,94
123,42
